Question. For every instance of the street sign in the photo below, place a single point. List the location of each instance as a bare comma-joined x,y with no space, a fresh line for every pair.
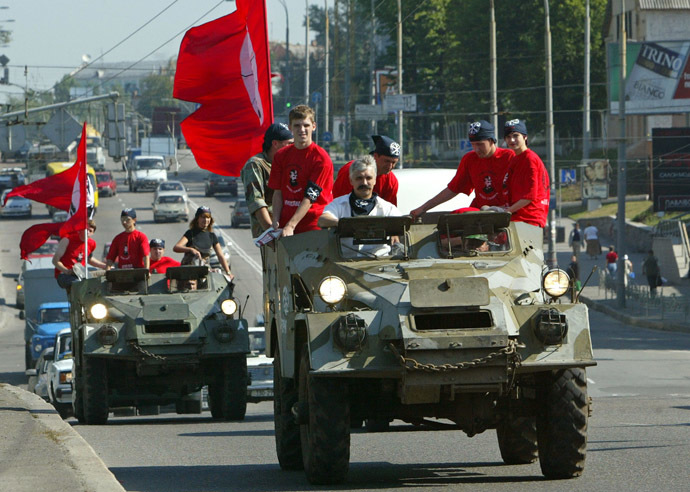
116,131
316,97
327,137
568,176
400,102
62,129
12,137
369,112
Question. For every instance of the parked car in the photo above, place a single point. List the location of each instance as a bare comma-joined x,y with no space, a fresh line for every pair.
213,259
107,186
38,376
60,374
240,214
60,216
259,366
216,183
170,205
16,206
171,186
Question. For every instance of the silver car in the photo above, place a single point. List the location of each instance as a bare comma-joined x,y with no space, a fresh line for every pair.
38,376
16,206
170,205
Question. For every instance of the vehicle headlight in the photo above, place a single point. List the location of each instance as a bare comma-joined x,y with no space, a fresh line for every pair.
38,347
99,311
65,377
556,283
107,335
332,290
19,287
228,306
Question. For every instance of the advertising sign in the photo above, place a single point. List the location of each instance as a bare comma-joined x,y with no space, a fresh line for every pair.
595,178
671,169
657,77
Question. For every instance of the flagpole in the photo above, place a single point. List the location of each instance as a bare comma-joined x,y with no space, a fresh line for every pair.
85,200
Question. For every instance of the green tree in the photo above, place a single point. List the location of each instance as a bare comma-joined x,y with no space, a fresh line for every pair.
156,90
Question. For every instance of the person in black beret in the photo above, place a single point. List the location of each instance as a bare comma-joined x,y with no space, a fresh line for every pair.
255,175
481,170
386,154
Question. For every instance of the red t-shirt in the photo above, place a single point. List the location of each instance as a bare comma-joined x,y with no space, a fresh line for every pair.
483,176
527,179
299,173
386,185
611,257
128,249
162,265
75,252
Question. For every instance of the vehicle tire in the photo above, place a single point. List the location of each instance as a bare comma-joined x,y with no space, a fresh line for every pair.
288,447
326,438
562,423
233,224
95,392
208,193
78,400
378,424
228,394
517,440
28,360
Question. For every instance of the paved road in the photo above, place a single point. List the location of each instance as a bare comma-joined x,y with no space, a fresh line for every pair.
639,436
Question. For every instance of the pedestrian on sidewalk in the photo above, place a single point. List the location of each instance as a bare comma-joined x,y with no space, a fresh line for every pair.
629,273
573,272
611,261
592,238
650,268
576,239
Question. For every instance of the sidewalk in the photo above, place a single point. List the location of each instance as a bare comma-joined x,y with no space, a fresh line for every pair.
39,451
670,311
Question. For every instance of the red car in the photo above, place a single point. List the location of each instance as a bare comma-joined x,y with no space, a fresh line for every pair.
106,183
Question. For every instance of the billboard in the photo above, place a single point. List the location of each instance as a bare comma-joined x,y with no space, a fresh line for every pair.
657,77
595,178
671,169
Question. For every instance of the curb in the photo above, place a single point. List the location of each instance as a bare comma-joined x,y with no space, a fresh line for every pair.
89,468
631,320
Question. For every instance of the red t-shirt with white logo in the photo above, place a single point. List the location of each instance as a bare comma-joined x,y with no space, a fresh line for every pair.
75,252
527,179
483,176
299,174
129,249
386,185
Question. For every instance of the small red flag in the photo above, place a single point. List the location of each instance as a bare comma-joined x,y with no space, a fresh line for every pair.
224,65
35,236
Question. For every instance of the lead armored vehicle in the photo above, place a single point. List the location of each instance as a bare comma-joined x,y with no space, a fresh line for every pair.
143,340
459,324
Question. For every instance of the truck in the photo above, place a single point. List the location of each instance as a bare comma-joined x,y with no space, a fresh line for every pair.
39,287
146,172
145,340
452,322
51,318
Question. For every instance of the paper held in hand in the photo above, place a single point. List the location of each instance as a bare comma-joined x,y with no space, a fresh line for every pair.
268,235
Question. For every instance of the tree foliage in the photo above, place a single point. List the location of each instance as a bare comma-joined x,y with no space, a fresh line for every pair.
156,90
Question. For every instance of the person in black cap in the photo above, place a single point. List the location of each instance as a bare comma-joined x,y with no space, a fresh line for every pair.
386,154
255,175
160,263
481,170
199,240
129,249
526,183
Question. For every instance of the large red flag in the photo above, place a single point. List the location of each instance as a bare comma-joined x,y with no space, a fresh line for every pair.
224,65
82,204
55,190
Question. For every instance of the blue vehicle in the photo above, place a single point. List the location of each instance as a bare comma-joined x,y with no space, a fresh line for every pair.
50,319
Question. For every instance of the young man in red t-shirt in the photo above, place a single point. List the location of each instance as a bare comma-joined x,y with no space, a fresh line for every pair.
129,249
481,170
160,263
526,186
70,251
301,177
386,154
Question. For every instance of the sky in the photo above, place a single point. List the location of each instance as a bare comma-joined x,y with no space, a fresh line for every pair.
51,36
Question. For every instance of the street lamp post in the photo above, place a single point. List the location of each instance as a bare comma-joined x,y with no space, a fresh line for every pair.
286,76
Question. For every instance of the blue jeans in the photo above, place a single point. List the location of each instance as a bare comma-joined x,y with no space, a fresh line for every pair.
612,267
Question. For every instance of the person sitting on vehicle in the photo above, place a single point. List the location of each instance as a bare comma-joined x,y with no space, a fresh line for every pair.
160,263
361,201
70,251
199,240
129,249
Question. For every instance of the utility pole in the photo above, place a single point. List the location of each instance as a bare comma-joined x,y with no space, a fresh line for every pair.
400,85
586,116
552,261
621,181
346,84
494,89
306,56
372,63
327,76
286,77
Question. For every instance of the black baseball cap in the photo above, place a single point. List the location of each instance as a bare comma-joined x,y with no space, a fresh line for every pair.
157,243
515,125
129,212
277,131
384,145
202,210
482,130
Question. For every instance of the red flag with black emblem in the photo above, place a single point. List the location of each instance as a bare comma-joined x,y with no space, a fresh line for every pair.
224,66
82,194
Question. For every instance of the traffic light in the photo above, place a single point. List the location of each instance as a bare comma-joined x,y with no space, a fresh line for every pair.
288,105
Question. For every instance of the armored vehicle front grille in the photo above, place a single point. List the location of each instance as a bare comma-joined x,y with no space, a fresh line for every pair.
181,327
453,321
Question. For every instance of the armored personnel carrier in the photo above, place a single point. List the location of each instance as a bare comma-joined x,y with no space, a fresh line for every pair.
454,322
143,340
